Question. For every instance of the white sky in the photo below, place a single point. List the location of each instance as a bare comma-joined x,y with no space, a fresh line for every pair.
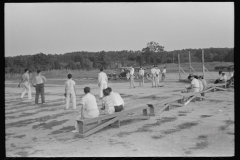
58,28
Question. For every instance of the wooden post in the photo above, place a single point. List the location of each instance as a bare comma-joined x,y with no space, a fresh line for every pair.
179,66
189,56
173,61
203,67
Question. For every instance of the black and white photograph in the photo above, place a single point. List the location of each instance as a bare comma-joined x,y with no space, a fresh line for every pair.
119,79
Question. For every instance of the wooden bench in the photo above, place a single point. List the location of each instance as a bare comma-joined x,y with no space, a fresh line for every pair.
105,120
214,87
166,104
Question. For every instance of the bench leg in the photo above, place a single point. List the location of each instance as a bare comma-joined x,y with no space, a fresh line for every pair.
167,107
151,110
117,123
81,127
181,100
145,112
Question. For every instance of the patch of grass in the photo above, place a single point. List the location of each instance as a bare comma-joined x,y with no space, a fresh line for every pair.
22,153
49,125
183,111
230,133
188,152
124,122
202,137
223,127
13,145
34,139
187,125
204,116
157,137
63,130
142,129
20,136
181,114
201,145
215,101
229,122
170,131
121,134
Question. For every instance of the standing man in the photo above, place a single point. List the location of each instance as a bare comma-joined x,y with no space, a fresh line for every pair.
70,91
164,73
141,75
102,82
132,77
157,76
26,84
39,81
153,72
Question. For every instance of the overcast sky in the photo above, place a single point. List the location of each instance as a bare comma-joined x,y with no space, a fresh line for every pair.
57,28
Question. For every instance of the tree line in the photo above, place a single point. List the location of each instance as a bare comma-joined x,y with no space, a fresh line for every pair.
153,53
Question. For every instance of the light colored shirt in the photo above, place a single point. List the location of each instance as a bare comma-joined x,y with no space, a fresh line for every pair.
102,77
25,77
132,71
200,85
164,70
89,102
225,78
108,104
157,71
40,79
195,83
117,99
153,71
141,72
220,77
69,85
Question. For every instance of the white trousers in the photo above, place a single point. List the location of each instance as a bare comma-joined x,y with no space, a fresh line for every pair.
26,88
73,98
103,85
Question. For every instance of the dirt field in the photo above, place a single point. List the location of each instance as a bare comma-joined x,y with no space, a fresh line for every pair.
204,128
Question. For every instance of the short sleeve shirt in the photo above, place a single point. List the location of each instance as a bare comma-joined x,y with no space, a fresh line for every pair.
70,85
141,72
132,71
157,71
89,102
117,99
25,77
153,71
109,105
195,83
164,70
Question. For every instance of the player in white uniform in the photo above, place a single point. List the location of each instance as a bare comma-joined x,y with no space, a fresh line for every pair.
102,82
70,91
26,84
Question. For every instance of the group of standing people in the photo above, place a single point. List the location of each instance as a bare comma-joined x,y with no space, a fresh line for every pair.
155,73
37,82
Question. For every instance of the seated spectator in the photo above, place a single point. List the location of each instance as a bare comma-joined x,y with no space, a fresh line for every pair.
117,100
89,107
107,103
194,87
200,84
220,78
203,82
224,78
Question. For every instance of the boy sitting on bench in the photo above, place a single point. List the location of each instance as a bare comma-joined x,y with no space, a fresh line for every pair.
117,100
107,103
89,107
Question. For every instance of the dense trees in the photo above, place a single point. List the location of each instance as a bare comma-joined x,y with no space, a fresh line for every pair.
153,53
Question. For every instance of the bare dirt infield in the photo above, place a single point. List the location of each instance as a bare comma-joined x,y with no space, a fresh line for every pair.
203,128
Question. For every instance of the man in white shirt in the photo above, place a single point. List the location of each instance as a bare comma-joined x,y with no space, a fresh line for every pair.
39,81
117,100
224,77
201,78
141,75
70,91
157,71
164,73
132,77
89,107
102,82
153,72
200,83
26,85
194,87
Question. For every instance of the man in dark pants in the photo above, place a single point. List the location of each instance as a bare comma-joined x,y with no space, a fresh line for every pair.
39,81
117,100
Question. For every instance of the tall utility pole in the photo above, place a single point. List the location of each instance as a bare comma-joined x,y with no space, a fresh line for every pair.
173,61
190,70
203,68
